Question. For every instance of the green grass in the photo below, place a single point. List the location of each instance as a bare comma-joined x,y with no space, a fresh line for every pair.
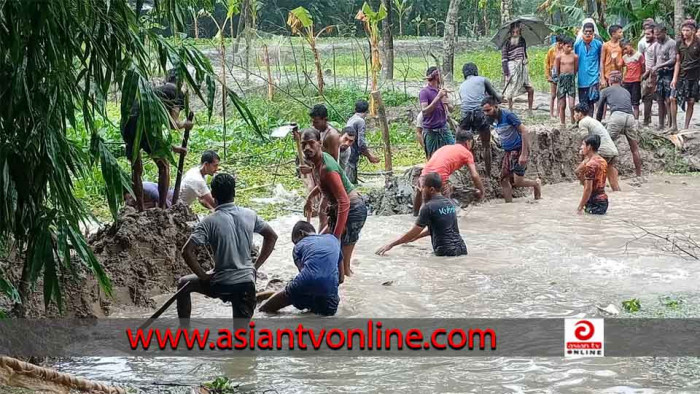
256,161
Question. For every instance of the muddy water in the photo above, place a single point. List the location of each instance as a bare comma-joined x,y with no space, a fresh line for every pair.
526,259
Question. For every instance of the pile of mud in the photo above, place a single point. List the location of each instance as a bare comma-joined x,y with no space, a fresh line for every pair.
553,158
140,253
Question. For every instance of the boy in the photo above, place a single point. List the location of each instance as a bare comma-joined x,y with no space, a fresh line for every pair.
516,143
229,231
449,159
550,73
592,172
438,218
607,149
634,68
611,56
318,258
359,147
566,67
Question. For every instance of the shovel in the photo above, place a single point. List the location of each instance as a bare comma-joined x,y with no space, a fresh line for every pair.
163,308
181,163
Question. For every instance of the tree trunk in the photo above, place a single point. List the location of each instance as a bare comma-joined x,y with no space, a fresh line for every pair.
400,25
506,11
448,44
319,69
388,41
678,16
196,26
24,289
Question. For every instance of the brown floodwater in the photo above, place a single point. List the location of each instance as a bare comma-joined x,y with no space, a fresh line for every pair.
526,259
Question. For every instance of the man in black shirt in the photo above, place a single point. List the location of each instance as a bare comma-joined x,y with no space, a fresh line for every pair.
437,218
686,74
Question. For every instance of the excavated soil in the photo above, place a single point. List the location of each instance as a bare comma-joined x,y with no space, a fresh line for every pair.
553,158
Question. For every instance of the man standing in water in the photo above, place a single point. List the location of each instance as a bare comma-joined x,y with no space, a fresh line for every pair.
174,101
437,218
686,74
319,260
359,147
229,231
472,92
347,211
592,172
515,141
588,48
607,149
433,101
446,161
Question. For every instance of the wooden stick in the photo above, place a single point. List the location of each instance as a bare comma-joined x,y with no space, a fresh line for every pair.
381,113
163,308
181,163
270,88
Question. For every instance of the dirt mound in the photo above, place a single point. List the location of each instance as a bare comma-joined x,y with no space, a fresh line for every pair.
553,158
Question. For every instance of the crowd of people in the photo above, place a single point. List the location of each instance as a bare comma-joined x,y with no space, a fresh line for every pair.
612,76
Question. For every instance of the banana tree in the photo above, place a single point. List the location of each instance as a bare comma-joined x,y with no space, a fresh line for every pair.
418,21
302,24
370,20
64,57
403,7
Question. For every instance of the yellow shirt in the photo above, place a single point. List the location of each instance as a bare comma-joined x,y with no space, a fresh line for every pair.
549,61
612,58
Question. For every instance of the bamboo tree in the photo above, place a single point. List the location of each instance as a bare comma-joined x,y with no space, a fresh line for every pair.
301,23
370,20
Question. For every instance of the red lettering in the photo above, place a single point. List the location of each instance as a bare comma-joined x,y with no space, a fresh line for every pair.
414,339
290,338
339,334
482,338
265,340
224,340
241,340
450,339
134,342
353,332
433,339
200,339
399,337
300,337
316,342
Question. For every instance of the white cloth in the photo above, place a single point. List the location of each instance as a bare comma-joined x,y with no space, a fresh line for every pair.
595,28
193,186
590,126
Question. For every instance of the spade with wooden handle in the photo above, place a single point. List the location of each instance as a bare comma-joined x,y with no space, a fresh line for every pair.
181,163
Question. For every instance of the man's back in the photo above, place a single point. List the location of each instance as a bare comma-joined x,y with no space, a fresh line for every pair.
358,124
229,231
317,257
617,98
591,126
472,92
440,215
447,160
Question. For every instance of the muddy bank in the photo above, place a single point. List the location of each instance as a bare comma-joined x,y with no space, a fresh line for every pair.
553,159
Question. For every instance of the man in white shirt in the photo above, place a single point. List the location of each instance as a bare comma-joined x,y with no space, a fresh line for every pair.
194,186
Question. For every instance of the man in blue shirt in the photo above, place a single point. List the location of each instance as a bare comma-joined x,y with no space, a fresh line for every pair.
516,144
588,48
318,258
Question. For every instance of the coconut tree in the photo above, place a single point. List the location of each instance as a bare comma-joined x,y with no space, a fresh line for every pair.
302,24
370,20
59,61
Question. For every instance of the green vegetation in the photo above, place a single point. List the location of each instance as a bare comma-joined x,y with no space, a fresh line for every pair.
258,163
632,305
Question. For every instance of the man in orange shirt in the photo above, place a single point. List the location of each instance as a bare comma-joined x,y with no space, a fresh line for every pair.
445,161
611,56
552,53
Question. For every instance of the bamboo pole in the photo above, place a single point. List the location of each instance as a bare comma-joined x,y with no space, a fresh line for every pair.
270,88
384,124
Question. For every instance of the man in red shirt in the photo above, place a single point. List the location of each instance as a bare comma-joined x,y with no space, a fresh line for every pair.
448,159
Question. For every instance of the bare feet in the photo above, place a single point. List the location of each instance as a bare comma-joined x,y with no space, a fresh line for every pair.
538,189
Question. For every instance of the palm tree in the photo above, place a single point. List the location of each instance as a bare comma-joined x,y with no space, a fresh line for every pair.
59,60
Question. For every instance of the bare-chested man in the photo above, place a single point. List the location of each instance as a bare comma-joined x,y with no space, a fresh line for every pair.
566,68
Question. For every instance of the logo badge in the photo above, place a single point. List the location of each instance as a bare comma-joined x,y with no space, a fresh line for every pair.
584,338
